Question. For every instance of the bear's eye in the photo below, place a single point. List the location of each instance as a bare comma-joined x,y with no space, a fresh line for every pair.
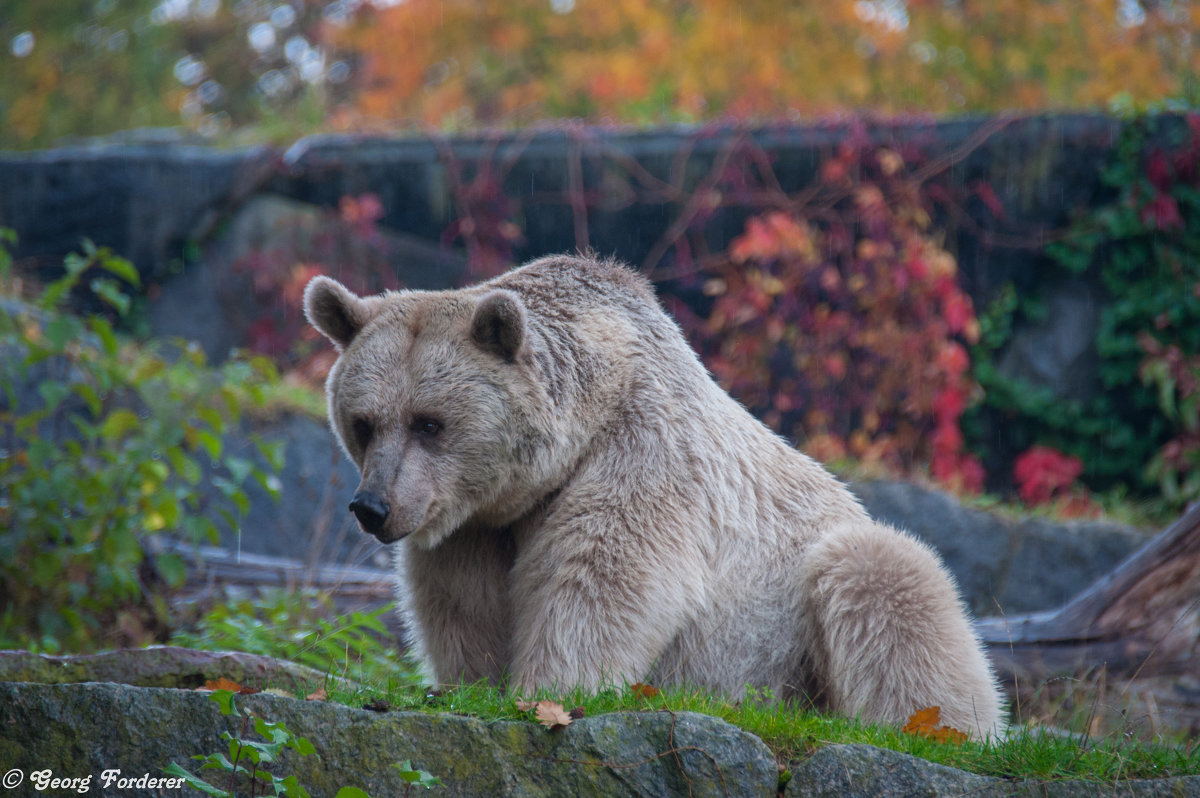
425,426
362,432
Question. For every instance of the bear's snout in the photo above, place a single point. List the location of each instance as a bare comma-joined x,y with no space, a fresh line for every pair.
370,510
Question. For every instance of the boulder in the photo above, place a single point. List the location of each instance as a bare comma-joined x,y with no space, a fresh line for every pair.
212,300
310,523
1058,351
157,666
863,771
1004,565
77,730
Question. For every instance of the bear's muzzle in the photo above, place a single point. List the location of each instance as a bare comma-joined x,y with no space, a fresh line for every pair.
371,511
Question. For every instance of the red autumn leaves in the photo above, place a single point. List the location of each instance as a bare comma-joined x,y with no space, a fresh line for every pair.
848,331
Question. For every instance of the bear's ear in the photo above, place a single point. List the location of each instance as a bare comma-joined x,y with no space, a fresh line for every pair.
499,324
337,313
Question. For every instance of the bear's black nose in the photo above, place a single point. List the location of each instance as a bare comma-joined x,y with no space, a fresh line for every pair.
370,510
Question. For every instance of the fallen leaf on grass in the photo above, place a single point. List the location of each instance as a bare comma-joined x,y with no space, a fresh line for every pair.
552,715
318,695
644,691
926,723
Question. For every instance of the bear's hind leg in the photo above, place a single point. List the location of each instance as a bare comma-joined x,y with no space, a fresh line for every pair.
893,635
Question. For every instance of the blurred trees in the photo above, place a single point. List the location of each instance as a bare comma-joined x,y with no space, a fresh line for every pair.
285,67
89,67
469,61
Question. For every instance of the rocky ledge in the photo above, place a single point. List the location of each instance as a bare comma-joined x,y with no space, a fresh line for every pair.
79,728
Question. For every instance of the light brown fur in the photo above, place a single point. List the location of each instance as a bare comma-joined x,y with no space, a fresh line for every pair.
594,509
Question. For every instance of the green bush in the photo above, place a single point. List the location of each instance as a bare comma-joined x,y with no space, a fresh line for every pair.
296,626
106,444
1139,434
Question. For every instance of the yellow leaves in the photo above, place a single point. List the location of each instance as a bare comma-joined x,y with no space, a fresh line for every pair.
711,58
869,197
890,162
926,723
118,423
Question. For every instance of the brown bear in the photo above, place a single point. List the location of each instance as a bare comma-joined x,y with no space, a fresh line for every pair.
573,501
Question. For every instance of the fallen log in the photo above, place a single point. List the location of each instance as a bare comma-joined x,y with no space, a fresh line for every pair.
1140,620
211,567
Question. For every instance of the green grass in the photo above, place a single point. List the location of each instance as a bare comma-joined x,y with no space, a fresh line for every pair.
793,733
355,648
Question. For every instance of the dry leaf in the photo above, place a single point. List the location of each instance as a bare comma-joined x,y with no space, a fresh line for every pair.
925,723
227,684
318,695
922,719
551,715
525,706
644,691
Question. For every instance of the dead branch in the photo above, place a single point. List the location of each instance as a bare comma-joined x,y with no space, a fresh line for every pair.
1140,620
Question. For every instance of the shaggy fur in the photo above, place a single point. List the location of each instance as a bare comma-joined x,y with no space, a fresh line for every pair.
576,502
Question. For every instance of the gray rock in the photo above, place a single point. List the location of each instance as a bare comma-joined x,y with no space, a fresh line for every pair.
81,729
158,666
310,522
1003,565
854,771
862,771
212,300
1059,351
1052,562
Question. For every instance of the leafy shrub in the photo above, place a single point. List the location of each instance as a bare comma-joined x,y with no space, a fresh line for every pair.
1142,246
850,336
112,451
1042,472
296,626
1175,377
345,242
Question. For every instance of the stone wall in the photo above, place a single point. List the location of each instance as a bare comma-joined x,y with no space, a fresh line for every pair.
187,214
176,208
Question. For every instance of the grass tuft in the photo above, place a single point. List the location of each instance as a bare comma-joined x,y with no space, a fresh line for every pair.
792,732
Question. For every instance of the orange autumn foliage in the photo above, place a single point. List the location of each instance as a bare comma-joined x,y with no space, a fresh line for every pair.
222,683
464,62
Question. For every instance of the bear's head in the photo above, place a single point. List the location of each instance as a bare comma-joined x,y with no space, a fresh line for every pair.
434,397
